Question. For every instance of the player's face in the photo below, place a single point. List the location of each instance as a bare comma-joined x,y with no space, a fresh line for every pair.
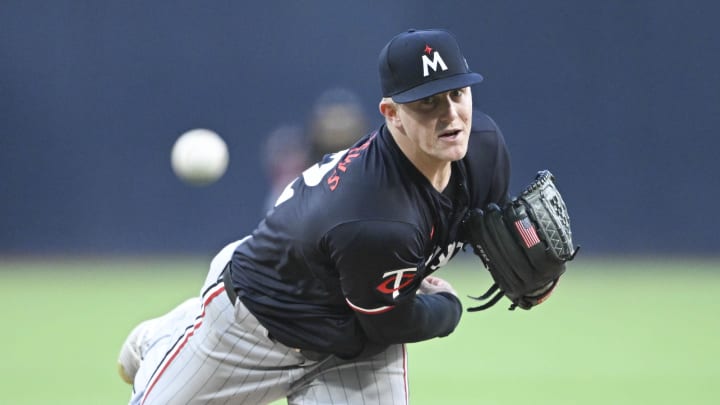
439,126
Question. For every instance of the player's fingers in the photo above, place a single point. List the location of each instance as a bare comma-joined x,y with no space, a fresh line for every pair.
428,285
435,280
434,285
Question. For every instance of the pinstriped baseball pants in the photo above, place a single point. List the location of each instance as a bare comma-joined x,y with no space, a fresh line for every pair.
217,353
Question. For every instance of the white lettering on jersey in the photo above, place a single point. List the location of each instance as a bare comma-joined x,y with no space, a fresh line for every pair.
441,257
433,64
312,176
286,194
315,173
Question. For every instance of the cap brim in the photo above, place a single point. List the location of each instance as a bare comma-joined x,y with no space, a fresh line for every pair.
437,86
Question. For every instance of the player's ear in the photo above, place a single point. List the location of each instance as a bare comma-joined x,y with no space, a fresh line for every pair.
388,109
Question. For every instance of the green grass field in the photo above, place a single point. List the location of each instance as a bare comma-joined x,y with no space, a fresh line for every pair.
617,331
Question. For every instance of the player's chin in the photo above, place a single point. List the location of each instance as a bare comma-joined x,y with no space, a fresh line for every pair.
450,157
453,152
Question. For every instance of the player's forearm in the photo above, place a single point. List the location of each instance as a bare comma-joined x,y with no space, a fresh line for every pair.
425,317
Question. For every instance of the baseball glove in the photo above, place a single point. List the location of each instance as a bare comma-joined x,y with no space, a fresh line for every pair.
524,245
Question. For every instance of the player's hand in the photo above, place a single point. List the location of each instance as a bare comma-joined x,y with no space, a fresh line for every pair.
434,285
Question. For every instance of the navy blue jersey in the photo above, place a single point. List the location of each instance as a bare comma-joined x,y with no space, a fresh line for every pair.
335,265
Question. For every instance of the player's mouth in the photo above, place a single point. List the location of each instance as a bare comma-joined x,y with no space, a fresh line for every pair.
450,135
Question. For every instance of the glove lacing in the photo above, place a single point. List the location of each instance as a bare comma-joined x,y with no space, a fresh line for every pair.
494,289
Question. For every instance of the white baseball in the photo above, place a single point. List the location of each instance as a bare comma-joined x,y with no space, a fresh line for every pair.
199,157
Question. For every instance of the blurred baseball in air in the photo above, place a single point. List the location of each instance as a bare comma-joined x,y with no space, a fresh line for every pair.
199,157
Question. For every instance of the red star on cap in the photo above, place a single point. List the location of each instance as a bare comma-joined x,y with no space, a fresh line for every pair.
428,49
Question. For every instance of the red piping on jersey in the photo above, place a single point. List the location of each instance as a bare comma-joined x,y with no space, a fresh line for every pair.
182,341
405,375
334,178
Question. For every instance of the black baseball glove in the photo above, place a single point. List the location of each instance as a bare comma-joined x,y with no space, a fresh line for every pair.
524,245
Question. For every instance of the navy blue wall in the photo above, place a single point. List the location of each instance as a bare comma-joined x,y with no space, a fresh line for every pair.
619,99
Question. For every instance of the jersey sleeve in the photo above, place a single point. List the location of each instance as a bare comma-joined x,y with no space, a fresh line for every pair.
380,265
487,163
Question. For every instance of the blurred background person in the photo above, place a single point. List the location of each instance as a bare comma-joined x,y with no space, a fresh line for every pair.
286,154
336,121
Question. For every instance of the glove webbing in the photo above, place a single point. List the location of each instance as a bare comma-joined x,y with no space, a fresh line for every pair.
494,300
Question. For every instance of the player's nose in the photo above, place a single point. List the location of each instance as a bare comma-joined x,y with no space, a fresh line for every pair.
449,109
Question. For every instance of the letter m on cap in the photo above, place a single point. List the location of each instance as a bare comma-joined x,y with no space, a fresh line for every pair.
433,64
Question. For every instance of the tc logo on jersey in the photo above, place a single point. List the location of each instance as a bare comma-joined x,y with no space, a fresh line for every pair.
394,281
432,64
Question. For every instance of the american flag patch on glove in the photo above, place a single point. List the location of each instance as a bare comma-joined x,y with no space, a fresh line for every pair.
527,232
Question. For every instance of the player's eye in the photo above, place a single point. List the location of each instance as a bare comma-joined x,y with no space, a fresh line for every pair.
427,102
457,93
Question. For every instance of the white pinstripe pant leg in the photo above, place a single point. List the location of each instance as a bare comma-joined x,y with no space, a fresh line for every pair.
222,356
379,380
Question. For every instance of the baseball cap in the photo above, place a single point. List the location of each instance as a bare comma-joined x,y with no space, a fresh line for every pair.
419,63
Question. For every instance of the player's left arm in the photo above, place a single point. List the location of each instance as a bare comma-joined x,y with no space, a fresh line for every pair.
381,271
433,310
424,317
